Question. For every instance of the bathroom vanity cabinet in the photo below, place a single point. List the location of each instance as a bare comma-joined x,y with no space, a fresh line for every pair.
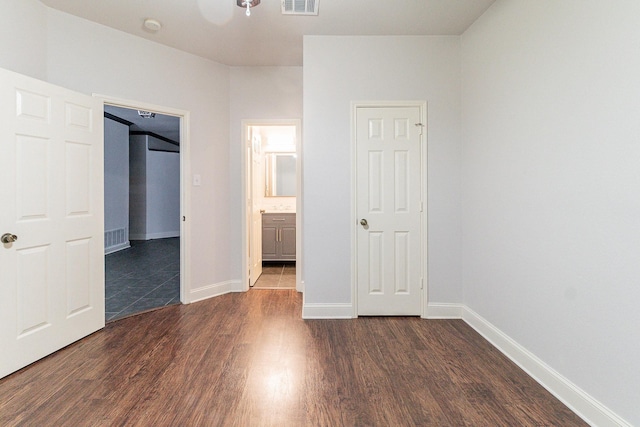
279,237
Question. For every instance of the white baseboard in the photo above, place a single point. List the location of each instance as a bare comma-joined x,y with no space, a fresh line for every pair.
151,236
215,290
585,406
327,311
117,248
444,311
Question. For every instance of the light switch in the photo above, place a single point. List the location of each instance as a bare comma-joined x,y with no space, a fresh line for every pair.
196,180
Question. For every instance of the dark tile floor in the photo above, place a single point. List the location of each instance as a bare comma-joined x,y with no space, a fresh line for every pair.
142,277
277,275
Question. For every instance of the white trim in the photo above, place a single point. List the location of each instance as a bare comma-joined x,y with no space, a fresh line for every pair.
215,290
576,399
327,311
299,209
116,248
444,311
584,405
151,236
354,210
422,105
245,123
185,188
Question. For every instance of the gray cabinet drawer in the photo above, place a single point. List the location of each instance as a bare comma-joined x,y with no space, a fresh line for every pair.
275,219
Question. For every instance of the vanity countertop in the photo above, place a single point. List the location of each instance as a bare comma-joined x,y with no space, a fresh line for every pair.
272,211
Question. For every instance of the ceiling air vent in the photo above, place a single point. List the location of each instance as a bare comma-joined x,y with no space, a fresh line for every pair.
300,7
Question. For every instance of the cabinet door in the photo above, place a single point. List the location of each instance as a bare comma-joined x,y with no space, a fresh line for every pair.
288,242
269,242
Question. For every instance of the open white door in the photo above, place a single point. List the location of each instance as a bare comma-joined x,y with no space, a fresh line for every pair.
52,288
257,191
389,209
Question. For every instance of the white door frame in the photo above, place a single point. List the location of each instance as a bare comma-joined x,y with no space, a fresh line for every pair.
185,188
423,192
243,185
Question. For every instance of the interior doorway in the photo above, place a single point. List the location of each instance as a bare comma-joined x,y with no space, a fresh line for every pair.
144,208
272,190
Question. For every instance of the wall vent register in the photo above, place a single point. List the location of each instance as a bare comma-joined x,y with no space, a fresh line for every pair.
300,7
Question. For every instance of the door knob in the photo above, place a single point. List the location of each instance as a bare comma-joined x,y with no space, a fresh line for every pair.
8,238
363,222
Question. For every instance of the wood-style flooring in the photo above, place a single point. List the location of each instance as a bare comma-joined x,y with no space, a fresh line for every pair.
248,359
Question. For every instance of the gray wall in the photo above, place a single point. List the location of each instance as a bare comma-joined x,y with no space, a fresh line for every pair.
551,178
23,37
337,71
155,191
92,58
259,93
163,194
116,178
138,187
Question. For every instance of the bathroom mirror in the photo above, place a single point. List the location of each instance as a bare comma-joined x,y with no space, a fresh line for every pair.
280,174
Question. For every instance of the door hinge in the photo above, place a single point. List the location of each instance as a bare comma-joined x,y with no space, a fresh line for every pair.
184,218
421,283
421,126
421,206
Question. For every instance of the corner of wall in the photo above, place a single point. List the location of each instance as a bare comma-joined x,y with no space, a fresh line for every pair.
214,290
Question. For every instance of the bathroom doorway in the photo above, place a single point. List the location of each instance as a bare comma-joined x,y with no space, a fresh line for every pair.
272,242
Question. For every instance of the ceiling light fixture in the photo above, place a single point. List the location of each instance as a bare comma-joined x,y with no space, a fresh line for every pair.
248,4
152,25
146,114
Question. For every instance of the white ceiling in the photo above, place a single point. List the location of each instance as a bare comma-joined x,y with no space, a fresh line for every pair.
267,37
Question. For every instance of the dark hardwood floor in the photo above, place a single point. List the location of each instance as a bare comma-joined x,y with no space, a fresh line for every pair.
249,360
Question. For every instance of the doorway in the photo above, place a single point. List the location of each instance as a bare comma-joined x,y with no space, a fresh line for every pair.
144,221
271,172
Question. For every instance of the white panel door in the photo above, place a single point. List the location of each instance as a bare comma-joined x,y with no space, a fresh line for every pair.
389,210
52,276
